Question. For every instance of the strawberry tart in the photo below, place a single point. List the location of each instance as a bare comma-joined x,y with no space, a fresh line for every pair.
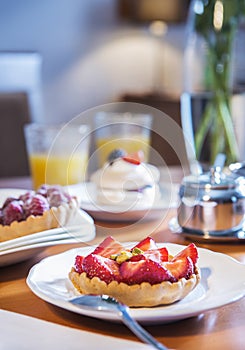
126,181
141,276
34,211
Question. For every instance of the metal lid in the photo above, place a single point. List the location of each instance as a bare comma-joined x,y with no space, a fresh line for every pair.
214,179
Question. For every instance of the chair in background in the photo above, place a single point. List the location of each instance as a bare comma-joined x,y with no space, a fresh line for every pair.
20,103
14,114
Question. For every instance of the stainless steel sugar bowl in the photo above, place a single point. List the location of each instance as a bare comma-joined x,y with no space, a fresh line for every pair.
212,203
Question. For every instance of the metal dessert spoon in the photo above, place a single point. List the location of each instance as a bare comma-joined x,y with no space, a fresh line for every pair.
109,304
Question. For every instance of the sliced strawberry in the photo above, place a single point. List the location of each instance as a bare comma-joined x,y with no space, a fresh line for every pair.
129,159
136,272
105,269
78,263
135,157
108,247
182,267
146,244
137,257
164,256
153,254
190,250
159,255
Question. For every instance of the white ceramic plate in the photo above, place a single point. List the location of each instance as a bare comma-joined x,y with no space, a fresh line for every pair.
86,193
17,256
49,281
25,252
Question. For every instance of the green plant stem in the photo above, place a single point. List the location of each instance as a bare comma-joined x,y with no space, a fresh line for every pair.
217,119
225,116
216,122
203,128
217,139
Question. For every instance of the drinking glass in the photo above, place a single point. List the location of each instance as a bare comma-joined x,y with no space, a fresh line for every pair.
128,131
58,154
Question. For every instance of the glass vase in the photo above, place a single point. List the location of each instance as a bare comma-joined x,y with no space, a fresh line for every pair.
209,61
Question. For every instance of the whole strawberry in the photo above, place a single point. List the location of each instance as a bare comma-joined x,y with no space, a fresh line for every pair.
8,200
43,190
55,194
13,212
56,198
27,196
36,205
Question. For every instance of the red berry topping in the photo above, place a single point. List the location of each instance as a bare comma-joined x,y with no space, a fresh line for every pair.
27,196
180,268
143,271
131,160
79,263
108,247
36,205
145,262
190,250
104,268
32,203
42,190
138,257
55,194
146,244
56,198
158,255
134,158
13,212
8,200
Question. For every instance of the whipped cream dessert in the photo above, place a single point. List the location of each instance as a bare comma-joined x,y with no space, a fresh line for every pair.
126,181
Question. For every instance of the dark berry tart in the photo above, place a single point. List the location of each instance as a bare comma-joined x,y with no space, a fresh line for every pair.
47,208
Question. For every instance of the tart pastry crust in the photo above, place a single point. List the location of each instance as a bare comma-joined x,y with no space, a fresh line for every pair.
138,295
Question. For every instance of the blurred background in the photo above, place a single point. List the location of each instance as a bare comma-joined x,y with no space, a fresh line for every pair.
79,54
59,58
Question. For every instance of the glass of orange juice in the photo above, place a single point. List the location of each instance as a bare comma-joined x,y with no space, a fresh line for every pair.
128,131
58,154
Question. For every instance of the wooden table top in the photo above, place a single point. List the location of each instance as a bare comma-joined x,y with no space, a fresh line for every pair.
221,328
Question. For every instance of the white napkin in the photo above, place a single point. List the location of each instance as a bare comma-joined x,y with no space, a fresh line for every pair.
27,333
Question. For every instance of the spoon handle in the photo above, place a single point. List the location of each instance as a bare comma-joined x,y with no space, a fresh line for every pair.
139,331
